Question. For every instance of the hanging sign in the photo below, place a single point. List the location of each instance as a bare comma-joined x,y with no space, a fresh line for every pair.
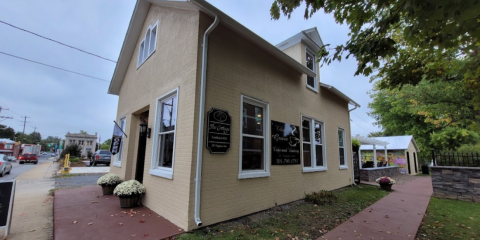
116,139
285,143
218,131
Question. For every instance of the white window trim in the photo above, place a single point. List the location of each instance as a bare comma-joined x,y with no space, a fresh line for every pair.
117,161
154,168
312,144
345,166
266,144
315,79
150,28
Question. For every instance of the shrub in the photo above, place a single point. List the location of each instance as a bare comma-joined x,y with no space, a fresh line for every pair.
73,149
109,179
129,188
385,180
323,197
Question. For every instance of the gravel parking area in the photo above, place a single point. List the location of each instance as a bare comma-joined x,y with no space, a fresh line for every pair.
72,181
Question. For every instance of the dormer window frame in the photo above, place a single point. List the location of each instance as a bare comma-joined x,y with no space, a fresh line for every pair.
148,45
314,88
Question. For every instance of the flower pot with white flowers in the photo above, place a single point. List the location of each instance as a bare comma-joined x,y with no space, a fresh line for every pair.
385,183
108,182
129,192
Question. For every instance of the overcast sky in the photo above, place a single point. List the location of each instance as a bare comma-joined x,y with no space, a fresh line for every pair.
57,102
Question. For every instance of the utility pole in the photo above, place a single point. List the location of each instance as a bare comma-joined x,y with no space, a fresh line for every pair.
24,124
4,116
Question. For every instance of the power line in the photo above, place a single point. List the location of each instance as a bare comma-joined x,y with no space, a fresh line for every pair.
38,35
54,67
360,126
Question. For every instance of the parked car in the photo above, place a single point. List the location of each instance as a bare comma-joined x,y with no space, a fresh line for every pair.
101,156
11,158
5,165
28,158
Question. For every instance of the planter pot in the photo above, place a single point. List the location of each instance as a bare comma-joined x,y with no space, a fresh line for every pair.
130,201
108,190
386,187
425,169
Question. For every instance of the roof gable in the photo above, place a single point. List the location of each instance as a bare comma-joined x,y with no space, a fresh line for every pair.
394,143
309,37
138,17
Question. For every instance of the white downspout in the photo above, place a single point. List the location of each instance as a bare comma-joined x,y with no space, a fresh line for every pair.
201,116
351,146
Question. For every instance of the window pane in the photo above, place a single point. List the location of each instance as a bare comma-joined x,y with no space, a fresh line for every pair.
319,155
309,60
340,138
342,156
252,154
140,53
306,130
318,133
252,119
153,38
307,156
168,109
147,43
166,150
311,81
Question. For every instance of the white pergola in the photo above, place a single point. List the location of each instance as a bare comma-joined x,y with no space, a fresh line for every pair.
374,142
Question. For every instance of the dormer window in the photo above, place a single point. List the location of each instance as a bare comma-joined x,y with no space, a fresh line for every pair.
311,64
148,44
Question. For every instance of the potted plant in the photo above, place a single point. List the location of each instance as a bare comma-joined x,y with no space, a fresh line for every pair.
385,183
108,182
129,193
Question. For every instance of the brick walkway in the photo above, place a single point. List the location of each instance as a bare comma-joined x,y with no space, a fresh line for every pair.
396,216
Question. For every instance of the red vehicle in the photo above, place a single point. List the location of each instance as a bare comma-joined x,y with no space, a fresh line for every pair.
28,158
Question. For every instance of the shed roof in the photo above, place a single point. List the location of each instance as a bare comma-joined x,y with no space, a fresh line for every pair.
394,143
6,140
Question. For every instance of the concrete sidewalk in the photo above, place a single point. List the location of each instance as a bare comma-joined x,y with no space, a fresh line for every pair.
396,216
32,216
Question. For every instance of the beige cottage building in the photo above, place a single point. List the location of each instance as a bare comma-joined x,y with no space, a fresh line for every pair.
242,129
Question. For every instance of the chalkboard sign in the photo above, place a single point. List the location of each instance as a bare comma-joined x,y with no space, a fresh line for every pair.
285,143
7,192
218,131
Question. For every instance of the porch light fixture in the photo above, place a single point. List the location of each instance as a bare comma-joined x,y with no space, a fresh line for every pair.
143,128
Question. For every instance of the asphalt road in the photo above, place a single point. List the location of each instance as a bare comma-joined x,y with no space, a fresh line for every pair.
18,169
77,180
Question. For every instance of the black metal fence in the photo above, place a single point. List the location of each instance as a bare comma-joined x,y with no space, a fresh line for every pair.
456,159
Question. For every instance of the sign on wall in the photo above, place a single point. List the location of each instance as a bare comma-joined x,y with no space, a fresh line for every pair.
218,131
116,139
285,143
7,190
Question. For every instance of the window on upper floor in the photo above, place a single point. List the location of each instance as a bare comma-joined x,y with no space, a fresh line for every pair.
313,145
9,146
312,82
148,44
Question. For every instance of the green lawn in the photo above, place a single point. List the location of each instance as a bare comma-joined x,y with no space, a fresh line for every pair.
298,219
450,219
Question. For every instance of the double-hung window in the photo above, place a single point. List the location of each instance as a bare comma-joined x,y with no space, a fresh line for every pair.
313,145
311,64
163,156
148,44
254,140
118,157
341,148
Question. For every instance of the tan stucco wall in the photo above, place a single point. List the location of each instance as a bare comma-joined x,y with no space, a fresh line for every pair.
172,65
237,67
295,52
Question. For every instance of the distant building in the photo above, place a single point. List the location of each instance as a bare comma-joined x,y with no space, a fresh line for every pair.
9,147
86,141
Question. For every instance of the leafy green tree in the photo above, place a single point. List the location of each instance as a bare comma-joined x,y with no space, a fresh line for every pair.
7,132
83,132
35,137
24,138
434,25
74,150
106,145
